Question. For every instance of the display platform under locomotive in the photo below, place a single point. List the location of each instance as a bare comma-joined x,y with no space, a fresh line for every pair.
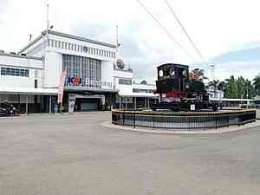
180,90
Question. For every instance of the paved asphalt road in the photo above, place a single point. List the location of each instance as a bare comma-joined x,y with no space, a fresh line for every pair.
75,155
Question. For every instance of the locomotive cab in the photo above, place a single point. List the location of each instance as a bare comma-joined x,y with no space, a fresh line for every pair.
172,78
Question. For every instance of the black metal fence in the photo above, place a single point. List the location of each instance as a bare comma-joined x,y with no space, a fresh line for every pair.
183,121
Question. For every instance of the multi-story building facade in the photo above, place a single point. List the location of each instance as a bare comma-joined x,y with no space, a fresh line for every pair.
31,78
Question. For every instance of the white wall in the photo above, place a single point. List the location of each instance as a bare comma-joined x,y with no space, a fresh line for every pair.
81,43
20,61
35,72
53,59
123,73
53,68
107,73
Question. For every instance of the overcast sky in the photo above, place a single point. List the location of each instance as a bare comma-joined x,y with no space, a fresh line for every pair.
227,32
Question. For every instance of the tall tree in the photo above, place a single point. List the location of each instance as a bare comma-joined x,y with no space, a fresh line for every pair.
256,83
231,88
144,82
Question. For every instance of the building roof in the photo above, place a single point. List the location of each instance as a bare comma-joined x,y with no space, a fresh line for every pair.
173,64
20,56
124,70
67,36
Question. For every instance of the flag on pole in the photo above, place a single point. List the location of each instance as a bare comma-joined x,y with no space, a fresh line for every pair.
61,85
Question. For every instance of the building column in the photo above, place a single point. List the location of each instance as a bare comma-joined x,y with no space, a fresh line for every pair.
26,104
19,103
148,102
50,104
120,102
135,103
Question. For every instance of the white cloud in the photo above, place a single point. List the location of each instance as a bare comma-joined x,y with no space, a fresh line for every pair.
216,26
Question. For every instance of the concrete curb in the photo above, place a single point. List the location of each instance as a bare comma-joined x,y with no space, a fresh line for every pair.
183,132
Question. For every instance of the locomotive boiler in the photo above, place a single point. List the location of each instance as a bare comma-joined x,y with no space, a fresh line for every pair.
179,89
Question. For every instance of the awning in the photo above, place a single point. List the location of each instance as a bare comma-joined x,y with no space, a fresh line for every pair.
29,91
81,88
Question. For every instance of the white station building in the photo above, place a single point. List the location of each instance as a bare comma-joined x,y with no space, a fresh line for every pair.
30,78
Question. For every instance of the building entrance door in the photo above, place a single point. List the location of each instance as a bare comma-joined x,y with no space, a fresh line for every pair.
86,104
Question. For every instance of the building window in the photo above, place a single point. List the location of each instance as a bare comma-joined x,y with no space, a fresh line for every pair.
136,90
125,81
83,68
14,72
35,83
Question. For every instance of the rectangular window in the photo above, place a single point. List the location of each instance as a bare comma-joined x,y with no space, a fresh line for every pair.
27,73
125,81
17,72
143,90
3,71
22,72
35,83
14,72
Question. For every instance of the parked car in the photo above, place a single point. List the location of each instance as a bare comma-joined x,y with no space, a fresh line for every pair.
4,112
7,109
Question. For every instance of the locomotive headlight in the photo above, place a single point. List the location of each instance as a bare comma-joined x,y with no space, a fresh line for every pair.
172,72
160,73
184,73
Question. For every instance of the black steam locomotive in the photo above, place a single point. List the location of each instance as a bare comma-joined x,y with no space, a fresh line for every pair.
179,89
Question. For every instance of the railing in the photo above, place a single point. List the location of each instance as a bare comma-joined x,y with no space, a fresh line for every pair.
183,120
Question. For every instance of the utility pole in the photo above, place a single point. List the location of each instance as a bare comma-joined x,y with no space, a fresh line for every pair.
117,42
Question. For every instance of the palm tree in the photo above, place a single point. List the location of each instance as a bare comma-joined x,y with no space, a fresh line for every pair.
144,82
231,88
256,84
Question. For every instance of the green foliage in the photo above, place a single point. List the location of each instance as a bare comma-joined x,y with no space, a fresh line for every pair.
256,84
144,82
239,88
